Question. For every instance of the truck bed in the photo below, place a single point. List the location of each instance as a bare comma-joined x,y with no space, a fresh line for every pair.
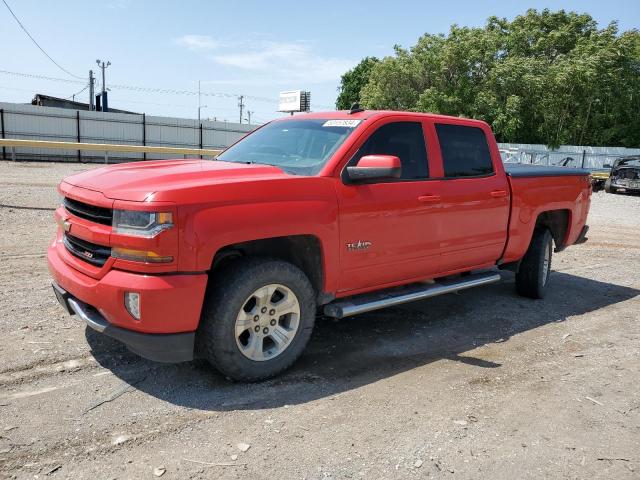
536,189
520,170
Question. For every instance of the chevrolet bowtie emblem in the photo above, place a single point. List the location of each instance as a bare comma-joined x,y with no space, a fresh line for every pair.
66,225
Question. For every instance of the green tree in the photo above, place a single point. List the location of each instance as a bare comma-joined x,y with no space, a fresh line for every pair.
352,82
544,77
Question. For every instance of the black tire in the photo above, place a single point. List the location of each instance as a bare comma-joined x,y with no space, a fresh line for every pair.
227,294
532,279
609,189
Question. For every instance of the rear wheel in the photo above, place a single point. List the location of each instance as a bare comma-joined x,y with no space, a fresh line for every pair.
257,318
533,275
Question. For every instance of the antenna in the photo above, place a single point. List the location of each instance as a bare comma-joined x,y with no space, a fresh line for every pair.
355,108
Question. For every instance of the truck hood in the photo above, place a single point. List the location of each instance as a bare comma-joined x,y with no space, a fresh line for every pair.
139,181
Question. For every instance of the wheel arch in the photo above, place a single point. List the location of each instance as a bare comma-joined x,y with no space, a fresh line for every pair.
303,251
557,222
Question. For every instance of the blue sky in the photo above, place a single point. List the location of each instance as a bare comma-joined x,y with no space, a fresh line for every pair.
250,47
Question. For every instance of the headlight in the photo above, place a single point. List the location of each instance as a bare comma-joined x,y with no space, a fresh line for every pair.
141,224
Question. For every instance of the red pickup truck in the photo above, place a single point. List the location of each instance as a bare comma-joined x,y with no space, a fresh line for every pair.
336,213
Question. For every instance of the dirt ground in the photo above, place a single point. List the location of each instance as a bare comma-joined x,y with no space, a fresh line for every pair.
483,384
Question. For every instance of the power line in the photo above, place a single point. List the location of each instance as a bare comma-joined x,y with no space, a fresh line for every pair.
35,42
42,77
4,87
171,91
77,93
218,110
166,91
133,88
175,105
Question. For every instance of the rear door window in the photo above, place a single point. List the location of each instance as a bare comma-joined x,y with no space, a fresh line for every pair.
465,151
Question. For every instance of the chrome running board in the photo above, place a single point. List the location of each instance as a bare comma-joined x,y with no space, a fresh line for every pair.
410,293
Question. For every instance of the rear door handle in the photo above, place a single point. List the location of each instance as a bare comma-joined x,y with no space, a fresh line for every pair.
499,193
430,198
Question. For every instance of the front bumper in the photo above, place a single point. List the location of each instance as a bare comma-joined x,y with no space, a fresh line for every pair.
170,306
628,186
169,348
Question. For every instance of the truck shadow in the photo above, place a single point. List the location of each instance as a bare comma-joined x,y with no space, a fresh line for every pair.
344,355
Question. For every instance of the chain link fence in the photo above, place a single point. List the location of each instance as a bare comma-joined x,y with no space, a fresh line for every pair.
592,158
29,122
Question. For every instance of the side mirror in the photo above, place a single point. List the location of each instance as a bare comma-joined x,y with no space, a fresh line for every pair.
375,167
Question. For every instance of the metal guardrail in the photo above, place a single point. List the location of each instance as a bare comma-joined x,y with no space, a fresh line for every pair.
14,143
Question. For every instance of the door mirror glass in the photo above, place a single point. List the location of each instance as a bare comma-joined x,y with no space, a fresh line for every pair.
375,167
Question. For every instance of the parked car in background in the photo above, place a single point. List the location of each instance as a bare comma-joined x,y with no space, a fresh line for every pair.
624,176
598,175
510,155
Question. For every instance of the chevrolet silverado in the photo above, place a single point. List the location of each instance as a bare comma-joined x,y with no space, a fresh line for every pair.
333,213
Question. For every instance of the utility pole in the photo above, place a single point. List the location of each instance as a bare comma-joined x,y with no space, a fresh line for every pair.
200,106
241,105
249,113
103,66
92,81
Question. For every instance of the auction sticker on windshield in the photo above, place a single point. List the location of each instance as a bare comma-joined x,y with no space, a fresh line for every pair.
341,123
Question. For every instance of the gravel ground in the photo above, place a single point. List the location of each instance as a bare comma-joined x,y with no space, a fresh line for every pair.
483,384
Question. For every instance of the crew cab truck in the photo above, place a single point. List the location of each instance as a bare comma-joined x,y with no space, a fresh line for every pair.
336,213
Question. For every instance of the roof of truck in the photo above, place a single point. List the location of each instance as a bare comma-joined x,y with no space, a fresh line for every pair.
365,114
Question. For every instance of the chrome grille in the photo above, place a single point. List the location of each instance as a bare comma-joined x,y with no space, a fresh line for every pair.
87,251
88,212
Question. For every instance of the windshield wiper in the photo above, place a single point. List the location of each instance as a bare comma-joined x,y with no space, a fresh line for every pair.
251,162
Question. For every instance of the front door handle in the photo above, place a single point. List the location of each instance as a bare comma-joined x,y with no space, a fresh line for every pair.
430,198
499,193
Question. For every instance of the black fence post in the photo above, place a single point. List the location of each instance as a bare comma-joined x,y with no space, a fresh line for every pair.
144,134
78,132
4,150
201,140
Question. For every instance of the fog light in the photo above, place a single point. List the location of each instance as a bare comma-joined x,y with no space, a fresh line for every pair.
132,304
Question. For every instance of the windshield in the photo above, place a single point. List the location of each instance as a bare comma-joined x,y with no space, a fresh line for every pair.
301,147
568,162
630,162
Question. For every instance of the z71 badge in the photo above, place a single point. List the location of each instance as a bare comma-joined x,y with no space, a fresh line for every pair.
359,245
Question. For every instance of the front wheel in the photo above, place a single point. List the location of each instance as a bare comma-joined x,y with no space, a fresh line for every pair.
533,275
257,318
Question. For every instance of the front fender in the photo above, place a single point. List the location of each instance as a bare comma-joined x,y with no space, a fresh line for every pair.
278,208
